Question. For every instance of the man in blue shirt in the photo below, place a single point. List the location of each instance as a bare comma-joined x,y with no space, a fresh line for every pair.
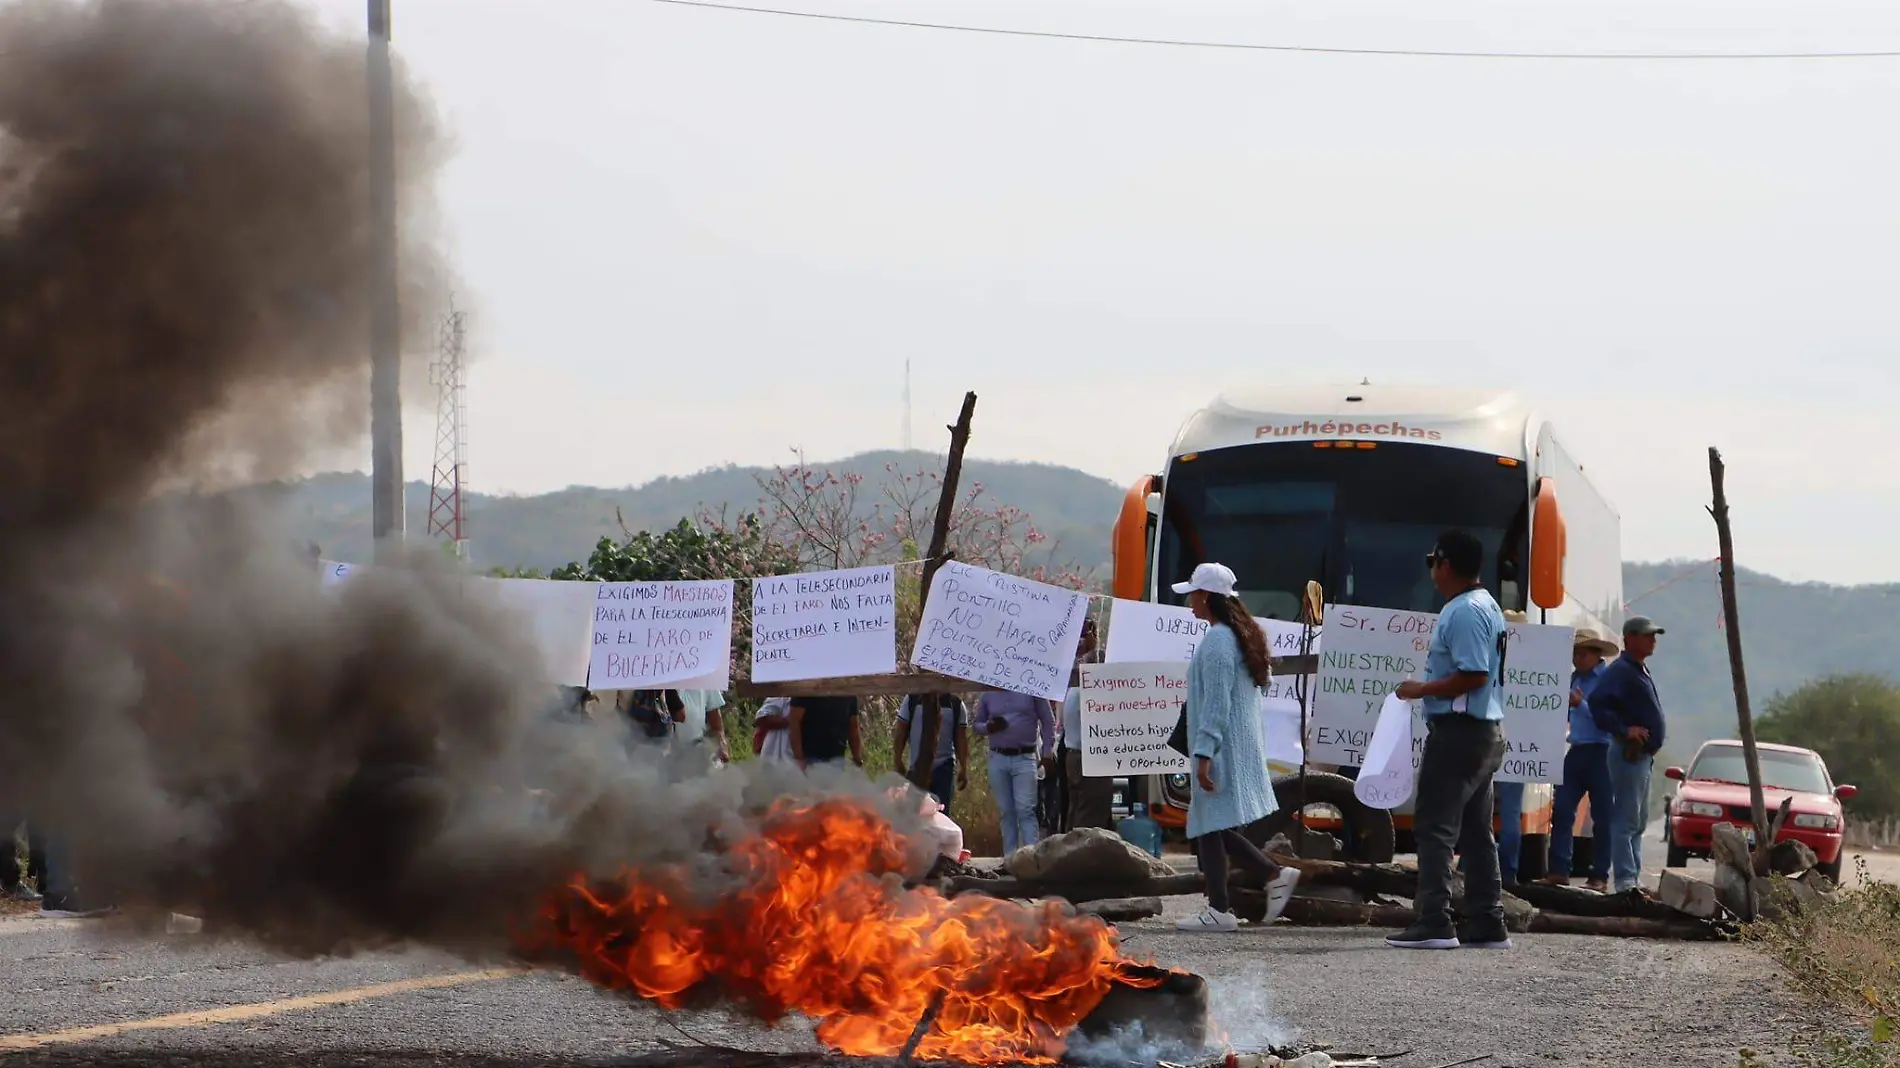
1586,770
1626,707
1464,747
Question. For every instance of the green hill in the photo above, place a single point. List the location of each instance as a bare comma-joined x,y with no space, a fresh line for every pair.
1792,632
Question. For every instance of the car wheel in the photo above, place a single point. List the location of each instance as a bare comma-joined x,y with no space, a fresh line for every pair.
1832,871
1678,856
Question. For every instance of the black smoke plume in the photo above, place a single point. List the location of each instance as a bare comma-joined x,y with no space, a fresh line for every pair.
184,256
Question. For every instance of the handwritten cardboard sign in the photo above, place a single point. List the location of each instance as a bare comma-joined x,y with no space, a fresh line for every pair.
1536,701
824,624
1371,650
1368,652
1128,711
651,634
1146,631
1142,631
1000,630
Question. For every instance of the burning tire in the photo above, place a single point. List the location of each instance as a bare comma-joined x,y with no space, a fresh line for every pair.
1366,832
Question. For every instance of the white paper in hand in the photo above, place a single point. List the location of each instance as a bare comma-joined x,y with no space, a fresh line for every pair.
1385,780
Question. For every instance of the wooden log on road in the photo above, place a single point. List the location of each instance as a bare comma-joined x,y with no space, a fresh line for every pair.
1078,892
1573,901
1681,929
1316,912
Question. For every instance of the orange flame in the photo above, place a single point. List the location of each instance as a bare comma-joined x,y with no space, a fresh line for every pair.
820,924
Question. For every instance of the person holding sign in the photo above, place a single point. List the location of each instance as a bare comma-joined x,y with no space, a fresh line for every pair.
1464,748
1227,748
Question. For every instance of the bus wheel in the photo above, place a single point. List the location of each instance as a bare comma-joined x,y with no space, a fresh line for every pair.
1367,832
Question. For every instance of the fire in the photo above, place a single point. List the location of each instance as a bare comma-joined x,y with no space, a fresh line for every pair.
818,923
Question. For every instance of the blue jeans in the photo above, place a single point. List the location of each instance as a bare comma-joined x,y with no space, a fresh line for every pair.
1586,772
943,782
1013,783
1630,780
1510,828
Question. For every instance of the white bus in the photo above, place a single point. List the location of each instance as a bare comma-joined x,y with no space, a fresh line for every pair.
1350,486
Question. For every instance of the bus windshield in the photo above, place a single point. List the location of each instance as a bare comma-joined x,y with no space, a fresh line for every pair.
1359,520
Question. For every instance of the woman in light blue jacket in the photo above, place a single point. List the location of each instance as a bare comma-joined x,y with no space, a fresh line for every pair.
1228,753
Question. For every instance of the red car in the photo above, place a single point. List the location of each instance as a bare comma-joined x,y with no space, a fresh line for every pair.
1715,790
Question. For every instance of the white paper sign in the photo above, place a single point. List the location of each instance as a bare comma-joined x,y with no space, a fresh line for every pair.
650,634
826,624
1128,711
1000,630
558,615
1142,631
1536,701
1368,652
1386,779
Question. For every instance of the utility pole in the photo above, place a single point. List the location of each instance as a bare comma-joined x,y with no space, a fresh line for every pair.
387,519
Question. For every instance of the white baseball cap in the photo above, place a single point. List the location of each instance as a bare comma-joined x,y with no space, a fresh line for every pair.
1217,579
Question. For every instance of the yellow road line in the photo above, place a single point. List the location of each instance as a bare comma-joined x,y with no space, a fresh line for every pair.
28,924
236,1013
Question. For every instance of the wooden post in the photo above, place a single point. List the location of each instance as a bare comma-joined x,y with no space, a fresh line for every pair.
1312,613
1732,623
931,720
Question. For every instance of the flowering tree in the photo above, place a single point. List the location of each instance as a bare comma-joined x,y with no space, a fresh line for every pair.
825,521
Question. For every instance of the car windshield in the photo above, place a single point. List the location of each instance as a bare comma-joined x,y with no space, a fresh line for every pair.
1800,772
1358,520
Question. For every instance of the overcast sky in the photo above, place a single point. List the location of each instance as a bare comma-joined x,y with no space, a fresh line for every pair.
695,237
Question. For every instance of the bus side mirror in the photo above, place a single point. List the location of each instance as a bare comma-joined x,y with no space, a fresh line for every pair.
1547,548
1131,540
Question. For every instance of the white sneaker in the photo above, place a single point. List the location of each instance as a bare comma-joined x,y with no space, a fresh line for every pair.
1280,891
1209,921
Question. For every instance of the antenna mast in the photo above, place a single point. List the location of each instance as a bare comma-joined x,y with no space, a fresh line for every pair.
446,515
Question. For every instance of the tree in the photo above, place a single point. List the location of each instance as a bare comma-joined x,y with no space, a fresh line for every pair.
1853,721
824,521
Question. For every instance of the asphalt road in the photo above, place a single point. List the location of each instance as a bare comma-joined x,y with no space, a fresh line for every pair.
83,992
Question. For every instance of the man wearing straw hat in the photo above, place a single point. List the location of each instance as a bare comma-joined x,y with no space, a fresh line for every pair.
1586,769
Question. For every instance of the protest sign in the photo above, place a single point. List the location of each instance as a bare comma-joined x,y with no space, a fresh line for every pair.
557,615
825,624
1536,701
650,634
1142,631
1000,630
1128,711
1386,780
1368,652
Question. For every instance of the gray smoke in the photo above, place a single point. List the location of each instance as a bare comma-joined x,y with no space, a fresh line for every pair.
184,249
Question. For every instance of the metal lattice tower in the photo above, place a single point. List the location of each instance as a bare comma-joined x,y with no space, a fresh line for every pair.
446,515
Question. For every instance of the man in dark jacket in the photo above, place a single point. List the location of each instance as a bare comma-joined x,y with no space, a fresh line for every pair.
1625,706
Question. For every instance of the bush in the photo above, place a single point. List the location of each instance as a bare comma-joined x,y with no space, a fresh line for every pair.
1847,956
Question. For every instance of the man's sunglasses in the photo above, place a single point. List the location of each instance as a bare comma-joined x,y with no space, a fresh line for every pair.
1432,560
